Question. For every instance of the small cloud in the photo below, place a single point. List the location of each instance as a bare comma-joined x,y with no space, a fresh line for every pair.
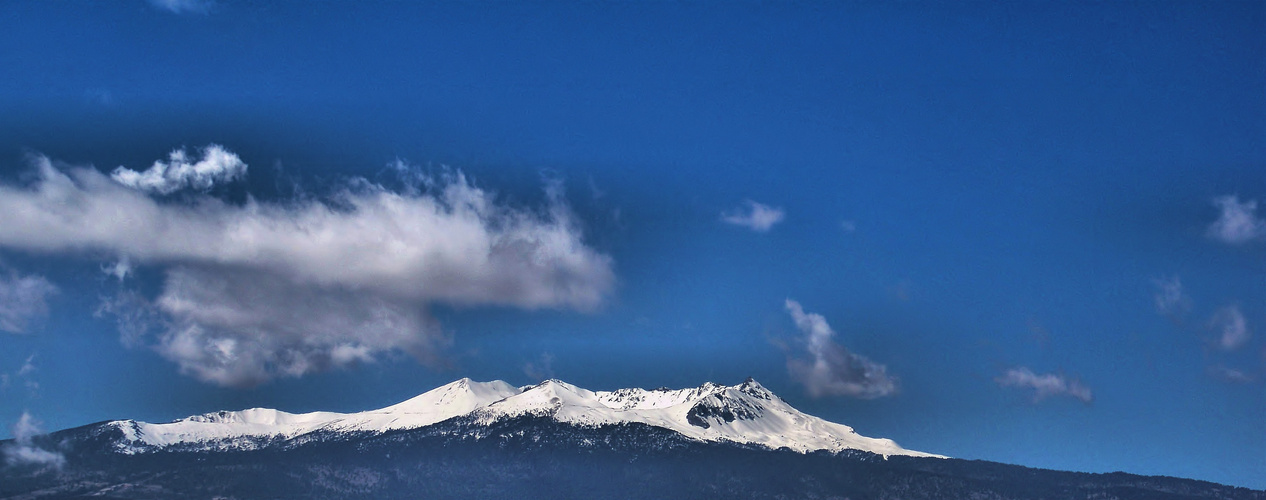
180,171
541,369
1237,221
832,370
755,216
848,226
1169,297
22,300
27,367
23,451
1230,327
119,270
183,6
348,354
1230,375
1044,385
25,374
134,316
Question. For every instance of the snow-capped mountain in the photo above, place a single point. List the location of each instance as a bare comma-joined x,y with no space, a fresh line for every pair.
745,414
481,440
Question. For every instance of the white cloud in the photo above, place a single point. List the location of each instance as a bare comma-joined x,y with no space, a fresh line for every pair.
1229,325
22,298
23,451
180,171
755,216
120,270
1045,385
832,370
25,373
457,245
1169,297
28,366
258,290
1237,222
238,327
183,6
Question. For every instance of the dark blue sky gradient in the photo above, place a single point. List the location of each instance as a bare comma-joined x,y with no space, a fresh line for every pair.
1018,176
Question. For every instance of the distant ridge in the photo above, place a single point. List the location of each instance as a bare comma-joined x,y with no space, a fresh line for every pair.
747,413
490,440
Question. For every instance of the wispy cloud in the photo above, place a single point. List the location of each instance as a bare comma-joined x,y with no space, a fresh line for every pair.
1237,221
24,373
120,269
183,6
217,165
541,369
28,366
1230,327
135,316
755,216
830,369
1044,385
1231,375
22,299
259,290
1170,298
23,451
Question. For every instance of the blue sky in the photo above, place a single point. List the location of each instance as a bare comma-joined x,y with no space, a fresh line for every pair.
1029,232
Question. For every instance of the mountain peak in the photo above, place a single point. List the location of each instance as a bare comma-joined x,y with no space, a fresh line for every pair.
753,388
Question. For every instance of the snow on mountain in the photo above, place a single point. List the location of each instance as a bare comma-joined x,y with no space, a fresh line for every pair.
223,429
746,414
437,405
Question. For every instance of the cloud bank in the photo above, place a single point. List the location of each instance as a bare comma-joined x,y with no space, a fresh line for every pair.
830,369
1045,385
1237,221
23,299
23,451
754,216
259,290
